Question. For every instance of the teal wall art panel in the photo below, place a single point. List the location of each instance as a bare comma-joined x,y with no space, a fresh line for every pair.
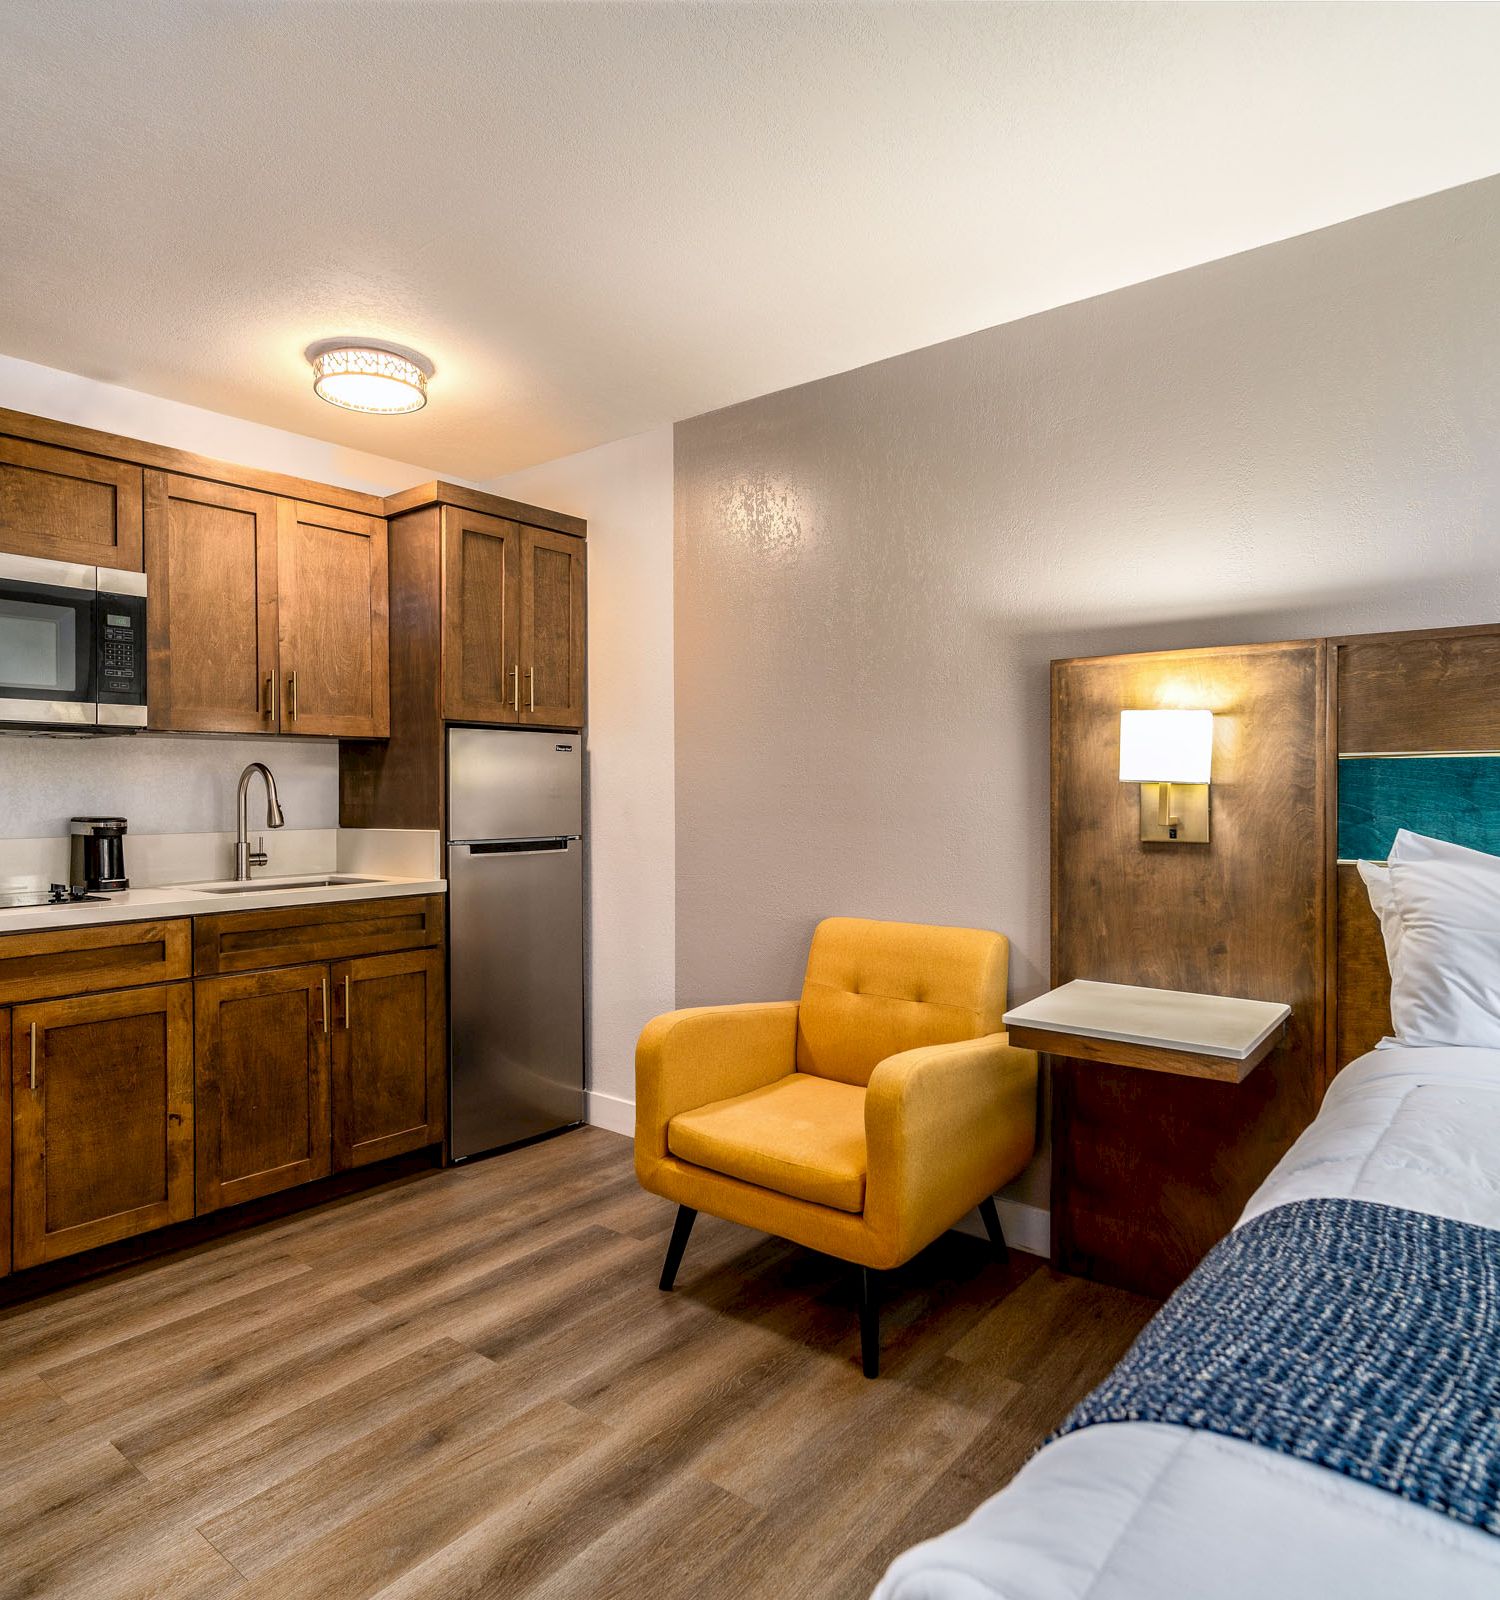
1446,797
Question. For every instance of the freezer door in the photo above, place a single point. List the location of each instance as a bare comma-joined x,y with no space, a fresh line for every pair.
516,979
514,783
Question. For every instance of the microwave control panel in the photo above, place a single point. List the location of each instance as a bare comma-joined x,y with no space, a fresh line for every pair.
120,649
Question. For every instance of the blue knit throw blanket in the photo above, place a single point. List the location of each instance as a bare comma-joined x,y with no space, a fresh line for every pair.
1361,1337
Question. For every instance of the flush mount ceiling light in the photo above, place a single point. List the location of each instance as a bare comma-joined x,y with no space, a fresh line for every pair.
360,375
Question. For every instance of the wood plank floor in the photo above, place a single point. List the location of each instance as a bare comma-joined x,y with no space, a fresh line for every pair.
467,1384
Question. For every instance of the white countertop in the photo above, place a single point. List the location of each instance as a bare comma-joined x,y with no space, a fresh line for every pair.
1169,1019
198,900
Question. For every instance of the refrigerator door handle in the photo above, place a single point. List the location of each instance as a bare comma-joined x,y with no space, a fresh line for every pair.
516,847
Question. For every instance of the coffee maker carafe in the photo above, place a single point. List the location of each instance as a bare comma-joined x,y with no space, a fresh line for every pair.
99,854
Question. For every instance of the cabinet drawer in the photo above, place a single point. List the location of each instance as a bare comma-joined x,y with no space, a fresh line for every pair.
248,941
122,955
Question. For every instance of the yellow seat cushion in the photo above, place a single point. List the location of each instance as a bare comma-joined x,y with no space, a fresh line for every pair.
801,1136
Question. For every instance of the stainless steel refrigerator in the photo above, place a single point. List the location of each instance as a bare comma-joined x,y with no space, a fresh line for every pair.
515,926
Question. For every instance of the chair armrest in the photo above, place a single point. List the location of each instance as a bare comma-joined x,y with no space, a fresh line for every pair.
945,1125
687,1059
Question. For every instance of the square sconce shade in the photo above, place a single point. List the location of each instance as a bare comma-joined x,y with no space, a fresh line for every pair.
1166,746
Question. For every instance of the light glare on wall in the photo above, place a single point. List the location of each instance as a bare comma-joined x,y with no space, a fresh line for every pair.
1170,754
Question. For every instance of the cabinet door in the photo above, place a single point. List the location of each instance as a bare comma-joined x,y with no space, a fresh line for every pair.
388,1069
69,506
551,629
262,1070
211,567
102,1118
5,1208
333,600
481,617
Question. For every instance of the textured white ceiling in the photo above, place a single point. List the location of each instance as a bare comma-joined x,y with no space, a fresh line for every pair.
599,218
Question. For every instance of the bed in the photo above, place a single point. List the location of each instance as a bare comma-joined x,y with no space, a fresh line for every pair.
1140,1511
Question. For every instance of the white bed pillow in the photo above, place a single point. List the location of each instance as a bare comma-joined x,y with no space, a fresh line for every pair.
1445,949
1409,846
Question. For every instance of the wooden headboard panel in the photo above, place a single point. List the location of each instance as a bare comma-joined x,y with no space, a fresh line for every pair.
1361,1010
1422,695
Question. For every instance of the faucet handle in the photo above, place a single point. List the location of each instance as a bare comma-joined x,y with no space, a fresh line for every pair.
258,856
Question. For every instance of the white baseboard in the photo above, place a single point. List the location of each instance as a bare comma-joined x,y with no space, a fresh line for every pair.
609,1111
1027,1228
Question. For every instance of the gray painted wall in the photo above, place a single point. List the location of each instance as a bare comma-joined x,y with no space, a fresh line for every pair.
873,571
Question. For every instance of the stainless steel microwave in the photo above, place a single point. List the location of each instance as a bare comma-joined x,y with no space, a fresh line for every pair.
72,645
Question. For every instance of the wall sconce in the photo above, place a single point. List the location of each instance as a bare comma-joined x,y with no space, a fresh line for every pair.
1170,754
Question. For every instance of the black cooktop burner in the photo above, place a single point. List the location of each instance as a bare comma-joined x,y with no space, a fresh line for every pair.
60,894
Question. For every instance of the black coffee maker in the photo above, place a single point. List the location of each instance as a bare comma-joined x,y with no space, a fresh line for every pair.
99,854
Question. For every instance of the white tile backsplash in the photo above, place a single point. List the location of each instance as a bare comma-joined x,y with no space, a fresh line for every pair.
155,859
161,783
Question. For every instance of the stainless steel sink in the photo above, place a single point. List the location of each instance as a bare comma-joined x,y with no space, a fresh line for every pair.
264,885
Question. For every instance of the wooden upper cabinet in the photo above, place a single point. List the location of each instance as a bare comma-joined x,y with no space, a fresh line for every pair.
102,1118
388,1058
552,633
67,505
262,1076
333,602
211,567
481,617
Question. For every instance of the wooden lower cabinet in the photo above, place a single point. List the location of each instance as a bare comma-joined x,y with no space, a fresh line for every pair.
262,1069
5,1143
156,1100
388,1057
101,1090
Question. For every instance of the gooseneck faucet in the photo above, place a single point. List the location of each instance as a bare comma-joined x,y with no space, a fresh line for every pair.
244,856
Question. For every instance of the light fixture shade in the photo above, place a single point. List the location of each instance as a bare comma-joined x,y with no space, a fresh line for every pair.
1166,746
362,378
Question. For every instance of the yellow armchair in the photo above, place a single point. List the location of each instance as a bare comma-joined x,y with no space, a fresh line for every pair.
862,1120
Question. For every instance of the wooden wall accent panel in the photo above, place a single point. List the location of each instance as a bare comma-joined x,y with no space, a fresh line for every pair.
1427,691
333,604
67,506
1362,979
1424,692
57,961
389,1078
1149,1169
246,941
552,630
103,1142
262,1076
211,565
399,782
481,617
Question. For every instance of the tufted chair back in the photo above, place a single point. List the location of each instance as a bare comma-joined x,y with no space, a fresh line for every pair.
874,989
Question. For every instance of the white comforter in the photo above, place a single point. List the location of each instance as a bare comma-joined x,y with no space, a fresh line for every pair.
1136,1511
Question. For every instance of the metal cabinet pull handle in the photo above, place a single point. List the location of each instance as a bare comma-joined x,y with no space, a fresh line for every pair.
33,1058
515,688
325,1005
291,692
346,1003
531,685
271,693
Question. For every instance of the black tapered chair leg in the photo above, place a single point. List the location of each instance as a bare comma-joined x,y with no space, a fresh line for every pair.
681,1228
869,1321
992,1227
